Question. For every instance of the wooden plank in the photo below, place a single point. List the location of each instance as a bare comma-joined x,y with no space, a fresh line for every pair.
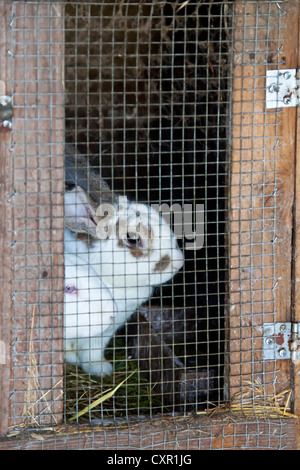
38,178
192,433
262,190
5,232
296,257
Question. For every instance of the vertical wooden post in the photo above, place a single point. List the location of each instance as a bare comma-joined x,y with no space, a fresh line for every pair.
36,256
296,254
262,191
5,231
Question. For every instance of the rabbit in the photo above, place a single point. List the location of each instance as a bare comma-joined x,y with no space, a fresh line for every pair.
89,310
138,252
78,172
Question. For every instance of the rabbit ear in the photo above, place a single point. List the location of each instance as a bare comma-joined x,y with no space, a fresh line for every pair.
79,172
80,212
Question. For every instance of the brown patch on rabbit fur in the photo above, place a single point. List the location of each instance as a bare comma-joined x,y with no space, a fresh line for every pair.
162,264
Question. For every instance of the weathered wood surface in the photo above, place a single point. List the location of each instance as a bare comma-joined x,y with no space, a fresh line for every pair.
296,252
34,260
5,233
173,433
262,192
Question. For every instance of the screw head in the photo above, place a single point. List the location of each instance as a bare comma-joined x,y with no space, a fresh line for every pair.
282,352
273,88
287,75
269,341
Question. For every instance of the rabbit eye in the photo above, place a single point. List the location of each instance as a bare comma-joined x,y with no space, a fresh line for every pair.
70,289
133,239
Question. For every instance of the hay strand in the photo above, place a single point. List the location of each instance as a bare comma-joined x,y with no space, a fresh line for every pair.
253,401
32,401
107,395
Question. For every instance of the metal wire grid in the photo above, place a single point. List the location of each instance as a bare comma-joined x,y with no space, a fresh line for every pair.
259,435
255,252
159,89
110,134
37,214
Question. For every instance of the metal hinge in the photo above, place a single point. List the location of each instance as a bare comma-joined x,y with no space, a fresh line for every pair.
282,88
281,341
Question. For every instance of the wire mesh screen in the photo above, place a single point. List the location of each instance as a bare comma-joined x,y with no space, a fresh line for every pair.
147,107
36,53
131,146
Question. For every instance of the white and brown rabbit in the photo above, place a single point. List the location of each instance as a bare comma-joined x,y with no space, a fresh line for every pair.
89,310
129,245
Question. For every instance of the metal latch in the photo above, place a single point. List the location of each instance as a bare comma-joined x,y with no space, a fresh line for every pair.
6,113
282,88
281,341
